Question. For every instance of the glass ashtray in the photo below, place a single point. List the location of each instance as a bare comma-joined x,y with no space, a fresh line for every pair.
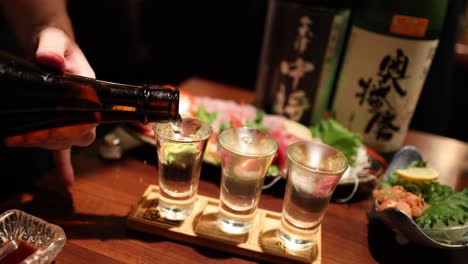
23,236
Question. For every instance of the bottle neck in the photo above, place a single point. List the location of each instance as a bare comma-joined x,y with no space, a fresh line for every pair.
155,98
152,102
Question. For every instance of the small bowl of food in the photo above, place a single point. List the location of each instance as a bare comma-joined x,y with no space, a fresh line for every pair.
417,207
25,238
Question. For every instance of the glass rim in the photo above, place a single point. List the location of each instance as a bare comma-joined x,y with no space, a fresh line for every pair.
204,123
272,152
304,166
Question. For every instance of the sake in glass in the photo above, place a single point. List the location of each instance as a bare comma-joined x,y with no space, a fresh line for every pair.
180,151
314,170
246,155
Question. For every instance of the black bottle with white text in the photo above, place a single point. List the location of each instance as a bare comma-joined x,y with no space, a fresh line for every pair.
35,98
300,56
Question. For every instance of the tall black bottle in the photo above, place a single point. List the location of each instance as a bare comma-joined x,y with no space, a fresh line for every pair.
34,98
300,55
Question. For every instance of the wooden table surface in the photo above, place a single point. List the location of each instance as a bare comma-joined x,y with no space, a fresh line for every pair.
93,211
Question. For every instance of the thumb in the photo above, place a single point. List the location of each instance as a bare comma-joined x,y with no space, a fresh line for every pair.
52,44
64,166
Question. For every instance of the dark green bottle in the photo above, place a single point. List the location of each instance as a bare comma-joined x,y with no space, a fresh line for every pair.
388,55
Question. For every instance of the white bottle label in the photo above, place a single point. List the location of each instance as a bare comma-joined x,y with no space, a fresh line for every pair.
380,84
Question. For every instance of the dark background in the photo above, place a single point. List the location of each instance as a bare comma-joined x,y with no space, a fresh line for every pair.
169,41
143,41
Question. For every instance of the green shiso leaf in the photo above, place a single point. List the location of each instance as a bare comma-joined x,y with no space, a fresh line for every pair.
334,134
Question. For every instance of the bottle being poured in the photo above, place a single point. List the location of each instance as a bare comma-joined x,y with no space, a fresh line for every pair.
36,98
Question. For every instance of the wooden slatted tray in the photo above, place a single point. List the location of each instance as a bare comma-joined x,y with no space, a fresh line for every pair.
200,229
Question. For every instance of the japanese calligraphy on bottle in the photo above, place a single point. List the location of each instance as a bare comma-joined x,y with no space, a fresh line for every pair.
377,98
295,103
299,59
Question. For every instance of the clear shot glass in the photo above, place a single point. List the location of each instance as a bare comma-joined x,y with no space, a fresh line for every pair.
314,170
246,154
180,151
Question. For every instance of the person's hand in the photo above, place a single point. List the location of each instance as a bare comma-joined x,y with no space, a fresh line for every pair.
57,50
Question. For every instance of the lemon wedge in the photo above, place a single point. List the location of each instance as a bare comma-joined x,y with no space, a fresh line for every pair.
418,174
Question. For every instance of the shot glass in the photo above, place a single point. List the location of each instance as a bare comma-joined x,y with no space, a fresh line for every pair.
180,151
246,155
314,170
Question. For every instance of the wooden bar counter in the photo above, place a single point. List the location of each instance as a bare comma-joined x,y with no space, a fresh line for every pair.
93,212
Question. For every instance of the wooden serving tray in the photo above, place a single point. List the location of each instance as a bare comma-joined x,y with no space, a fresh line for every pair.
200,229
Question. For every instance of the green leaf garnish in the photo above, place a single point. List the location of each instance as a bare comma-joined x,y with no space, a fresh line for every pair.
223,126
449,210
334,134
273,170
205,116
